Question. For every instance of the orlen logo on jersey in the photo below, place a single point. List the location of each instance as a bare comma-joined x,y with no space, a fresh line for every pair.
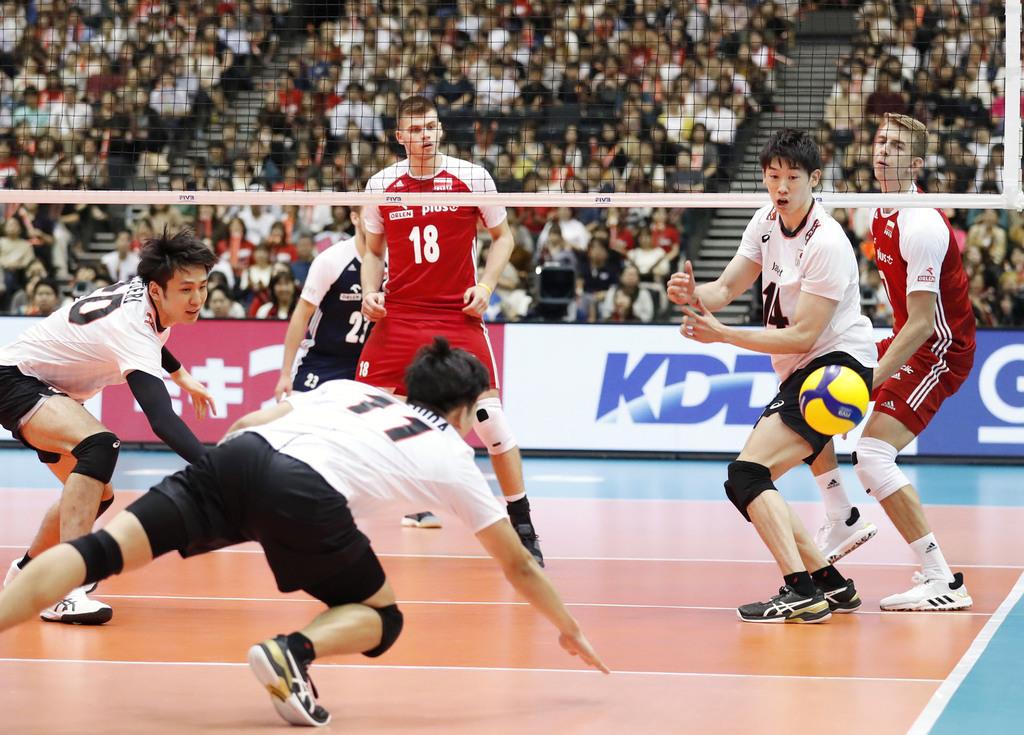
927,277
882,257
682,389
401,214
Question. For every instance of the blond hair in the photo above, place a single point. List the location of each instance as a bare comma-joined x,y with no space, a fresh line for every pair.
918,132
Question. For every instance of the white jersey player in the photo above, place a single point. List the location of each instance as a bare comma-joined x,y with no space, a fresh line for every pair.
812,319
298,478
114,335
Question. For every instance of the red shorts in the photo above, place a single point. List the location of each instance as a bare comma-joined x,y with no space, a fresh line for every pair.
393,343
913,395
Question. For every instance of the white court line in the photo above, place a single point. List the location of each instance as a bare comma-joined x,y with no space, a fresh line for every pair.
942,696
497,603
484,669
654,559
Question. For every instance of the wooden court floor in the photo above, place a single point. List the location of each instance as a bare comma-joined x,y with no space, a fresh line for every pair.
653,581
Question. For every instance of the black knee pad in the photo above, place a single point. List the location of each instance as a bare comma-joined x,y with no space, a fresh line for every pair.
102,556
105,506
391,620
746,481
97,455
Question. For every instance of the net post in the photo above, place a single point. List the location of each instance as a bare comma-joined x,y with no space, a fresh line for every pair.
1011,123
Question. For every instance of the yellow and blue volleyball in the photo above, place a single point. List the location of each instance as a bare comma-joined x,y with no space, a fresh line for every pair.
833,399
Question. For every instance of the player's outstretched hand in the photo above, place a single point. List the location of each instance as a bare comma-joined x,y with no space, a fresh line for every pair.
202,401
283,388
681,286
578,645
475,299
700,325
373,306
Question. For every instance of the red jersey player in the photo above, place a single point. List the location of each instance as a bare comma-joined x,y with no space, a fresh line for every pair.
925,361
433,288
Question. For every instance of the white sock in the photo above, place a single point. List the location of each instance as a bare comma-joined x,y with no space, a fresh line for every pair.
933,563
514,498
837,505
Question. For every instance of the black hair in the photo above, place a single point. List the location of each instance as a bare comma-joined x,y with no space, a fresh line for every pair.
795,147
441,378
163,256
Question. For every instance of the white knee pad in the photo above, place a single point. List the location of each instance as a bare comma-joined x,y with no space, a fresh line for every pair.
491,426
876,468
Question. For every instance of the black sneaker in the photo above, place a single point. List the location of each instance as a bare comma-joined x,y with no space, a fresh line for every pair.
787,607
529,538
843,600
291,690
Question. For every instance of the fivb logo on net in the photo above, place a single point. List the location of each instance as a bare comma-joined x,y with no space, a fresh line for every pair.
684,388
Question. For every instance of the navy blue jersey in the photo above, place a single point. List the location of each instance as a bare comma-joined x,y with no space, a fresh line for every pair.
338,329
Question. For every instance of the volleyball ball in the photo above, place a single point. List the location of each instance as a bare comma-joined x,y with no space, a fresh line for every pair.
833,399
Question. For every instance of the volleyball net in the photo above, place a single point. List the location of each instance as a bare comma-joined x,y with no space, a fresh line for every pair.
593,104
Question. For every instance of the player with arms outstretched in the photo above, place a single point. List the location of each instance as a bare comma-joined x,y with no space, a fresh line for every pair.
812,318
433,288
298,478
926,360
114,335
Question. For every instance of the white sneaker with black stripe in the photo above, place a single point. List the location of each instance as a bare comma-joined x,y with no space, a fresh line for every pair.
836,539
78,609
930,595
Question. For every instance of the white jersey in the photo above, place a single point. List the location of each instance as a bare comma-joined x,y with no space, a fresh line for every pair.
818,260
93,342
383,455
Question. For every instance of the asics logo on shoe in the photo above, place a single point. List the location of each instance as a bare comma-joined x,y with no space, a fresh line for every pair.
832,483
65,605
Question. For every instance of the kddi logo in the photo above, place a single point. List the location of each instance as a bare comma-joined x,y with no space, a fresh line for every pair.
660,388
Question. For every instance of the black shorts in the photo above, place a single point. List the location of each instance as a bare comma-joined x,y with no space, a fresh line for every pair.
787,401
244,490
314,371
20,396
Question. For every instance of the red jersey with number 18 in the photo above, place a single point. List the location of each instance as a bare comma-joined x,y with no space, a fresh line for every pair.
431,250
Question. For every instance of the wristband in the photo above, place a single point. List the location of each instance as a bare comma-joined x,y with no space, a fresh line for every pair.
490,291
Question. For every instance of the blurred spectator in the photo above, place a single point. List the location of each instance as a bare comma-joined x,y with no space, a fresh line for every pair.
283,296
121,263
220,305
45,298
627,300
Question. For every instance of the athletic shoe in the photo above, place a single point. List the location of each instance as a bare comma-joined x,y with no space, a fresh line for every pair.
843,600
931,595
529,538
836,539
78,609
787,607
291,690
12,572
421,520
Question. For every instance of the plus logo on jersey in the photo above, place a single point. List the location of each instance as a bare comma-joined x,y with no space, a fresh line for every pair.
882,257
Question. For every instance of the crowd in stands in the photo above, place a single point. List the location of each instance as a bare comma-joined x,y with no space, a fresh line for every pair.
550,95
